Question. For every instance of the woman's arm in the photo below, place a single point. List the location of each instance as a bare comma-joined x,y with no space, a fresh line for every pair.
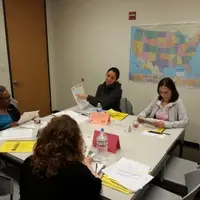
182,117
147,111
105,100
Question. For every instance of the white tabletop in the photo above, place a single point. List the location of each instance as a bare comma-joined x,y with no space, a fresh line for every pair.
149,150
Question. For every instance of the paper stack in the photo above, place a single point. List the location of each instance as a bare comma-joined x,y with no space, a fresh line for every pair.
16,133
17,146
129,174
76,116
116,115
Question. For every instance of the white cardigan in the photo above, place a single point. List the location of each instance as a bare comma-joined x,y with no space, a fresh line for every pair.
177,114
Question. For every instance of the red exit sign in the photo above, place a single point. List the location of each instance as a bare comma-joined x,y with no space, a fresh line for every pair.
132,15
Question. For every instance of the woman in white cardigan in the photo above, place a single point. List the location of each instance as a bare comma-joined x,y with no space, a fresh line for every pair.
168,108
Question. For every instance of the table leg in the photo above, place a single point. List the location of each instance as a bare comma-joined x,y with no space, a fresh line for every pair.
181,145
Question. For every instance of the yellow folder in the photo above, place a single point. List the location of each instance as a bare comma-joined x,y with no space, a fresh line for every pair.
17,146
114,185
116,115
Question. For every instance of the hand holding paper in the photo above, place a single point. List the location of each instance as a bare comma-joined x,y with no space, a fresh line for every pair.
27,116
78,90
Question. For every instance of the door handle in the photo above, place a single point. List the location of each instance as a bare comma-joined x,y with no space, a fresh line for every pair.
15,82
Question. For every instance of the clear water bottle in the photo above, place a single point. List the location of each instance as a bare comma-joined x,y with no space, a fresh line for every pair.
37,122
102,146
99,107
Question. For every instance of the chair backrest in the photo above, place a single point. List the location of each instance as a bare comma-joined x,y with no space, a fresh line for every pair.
192,180
6,186
126,106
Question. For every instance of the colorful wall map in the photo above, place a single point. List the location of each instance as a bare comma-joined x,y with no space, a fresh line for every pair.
166,50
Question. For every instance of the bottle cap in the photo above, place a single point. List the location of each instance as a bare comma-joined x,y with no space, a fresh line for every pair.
102,129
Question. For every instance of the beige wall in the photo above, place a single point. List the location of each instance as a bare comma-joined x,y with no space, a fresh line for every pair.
4,69
90,35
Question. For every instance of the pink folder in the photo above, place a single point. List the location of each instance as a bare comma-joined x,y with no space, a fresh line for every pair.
113,141
99,118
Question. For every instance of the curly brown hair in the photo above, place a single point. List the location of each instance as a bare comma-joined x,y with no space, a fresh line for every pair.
59,142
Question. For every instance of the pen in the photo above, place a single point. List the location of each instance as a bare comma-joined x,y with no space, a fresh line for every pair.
158,133
96,167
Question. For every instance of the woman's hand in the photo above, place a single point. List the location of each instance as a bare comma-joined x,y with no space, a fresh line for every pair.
82,96
87,161
140,120
159,124
14,124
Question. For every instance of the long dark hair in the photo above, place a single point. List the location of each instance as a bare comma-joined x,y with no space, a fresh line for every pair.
169,83
59,142
116,71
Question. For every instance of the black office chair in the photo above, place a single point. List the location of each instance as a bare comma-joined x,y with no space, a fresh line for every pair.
6,186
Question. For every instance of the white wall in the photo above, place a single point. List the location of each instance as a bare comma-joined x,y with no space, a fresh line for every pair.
4,69
89,35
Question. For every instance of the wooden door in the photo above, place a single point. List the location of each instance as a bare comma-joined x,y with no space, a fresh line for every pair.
28,56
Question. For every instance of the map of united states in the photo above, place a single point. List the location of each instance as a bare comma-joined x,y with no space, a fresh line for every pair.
165,49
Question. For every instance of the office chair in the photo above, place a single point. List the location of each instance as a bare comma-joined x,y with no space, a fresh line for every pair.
156,193
176,168
6,186
126,106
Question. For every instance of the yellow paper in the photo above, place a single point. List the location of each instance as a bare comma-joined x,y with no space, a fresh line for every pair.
17,146
116,115
114,185
159,130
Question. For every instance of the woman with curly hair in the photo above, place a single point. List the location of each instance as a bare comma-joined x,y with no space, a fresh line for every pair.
58,169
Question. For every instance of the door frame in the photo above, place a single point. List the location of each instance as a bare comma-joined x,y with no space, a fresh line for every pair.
47,47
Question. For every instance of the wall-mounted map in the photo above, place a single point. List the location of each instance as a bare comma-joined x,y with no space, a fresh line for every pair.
166,50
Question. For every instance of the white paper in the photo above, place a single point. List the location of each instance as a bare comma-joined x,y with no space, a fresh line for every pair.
76,116
31,125
153,134
86,111
131,174
16,133
78,89
148,120
27,116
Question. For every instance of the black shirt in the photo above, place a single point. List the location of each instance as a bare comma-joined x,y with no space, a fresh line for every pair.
108,95
13,112
73,182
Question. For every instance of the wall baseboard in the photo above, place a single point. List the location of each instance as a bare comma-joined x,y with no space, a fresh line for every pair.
192,144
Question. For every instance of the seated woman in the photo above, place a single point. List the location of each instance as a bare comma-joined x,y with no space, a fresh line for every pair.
167,108
109,93
58,169
9,114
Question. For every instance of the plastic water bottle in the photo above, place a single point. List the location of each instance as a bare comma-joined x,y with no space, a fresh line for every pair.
102,146
37,122
99,107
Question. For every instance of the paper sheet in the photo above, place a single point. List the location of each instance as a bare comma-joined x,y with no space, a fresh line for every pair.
78,89
131,174
76,116
31,125
27,116
17,146
116,115
16,133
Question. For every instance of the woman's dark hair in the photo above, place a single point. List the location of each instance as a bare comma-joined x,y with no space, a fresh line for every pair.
2,89
116,71
169,83
59,142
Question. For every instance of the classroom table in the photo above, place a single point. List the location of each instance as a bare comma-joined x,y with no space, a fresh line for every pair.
149,150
